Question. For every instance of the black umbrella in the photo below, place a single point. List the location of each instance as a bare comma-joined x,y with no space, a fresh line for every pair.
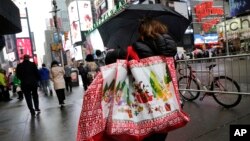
122,29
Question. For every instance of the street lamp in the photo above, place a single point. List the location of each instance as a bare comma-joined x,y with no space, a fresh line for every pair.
54,14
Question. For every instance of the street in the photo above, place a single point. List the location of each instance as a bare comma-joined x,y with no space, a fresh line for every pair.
209,121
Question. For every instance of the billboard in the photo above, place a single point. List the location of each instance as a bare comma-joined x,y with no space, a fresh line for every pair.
23,47
238,6
207,39
10,41
85,14
101,6
74,22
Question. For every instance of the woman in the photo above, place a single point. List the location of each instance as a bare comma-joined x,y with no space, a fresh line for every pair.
57,76
153,41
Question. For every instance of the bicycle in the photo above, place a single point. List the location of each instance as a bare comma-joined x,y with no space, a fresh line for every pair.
219,87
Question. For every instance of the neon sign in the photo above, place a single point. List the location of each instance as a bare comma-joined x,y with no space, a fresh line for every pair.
204,10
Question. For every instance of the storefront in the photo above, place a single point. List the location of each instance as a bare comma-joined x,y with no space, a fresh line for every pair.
237,33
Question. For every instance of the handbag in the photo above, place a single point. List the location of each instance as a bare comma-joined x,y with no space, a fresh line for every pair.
130,100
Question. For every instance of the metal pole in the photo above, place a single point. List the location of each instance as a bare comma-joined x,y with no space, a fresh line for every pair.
225,28
57,30
29,30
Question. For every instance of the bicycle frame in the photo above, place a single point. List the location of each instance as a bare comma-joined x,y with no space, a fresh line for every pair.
193,76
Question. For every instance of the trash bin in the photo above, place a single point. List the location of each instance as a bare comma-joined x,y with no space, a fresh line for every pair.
74,77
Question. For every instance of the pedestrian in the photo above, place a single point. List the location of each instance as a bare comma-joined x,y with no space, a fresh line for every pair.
57,75
153,41
28,74
83,72
91,68
10,82
67,78
100,61
4,86
45,79
17,85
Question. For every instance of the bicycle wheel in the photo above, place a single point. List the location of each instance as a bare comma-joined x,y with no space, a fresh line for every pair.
186,82
224,83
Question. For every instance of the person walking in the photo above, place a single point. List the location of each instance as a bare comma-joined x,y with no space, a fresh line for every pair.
17,85
83,72
100,58
4,90
67,78
28,74
5,86
154,40
45,79
57,75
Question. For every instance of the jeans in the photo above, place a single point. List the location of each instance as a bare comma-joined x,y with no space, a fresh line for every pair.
45,85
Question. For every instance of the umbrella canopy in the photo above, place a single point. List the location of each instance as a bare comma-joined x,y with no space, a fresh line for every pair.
122,29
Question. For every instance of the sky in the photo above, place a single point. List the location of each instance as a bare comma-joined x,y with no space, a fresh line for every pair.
39,13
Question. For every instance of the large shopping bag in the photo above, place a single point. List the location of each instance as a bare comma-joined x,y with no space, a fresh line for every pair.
128,101
146,99
94,114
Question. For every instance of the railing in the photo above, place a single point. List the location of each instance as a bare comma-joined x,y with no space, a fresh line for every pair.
236,67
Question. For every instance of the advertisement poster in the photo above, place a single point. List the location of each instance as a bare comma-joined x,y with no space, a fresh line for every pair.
85,15
101,7
10,43
238,7
94,40
74,22
207,39
23,47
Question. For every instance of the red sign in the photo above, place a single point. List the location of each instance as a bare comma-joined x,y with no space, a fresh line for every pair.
209,24
24,47
206,9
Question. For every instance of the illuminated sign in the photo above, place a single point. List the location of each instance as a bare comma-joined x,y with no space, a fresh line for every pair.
235,27
24,47
206,9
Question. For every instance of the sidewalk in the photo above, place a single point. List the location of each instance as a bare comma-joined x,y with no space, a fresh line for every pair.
52,124
209,121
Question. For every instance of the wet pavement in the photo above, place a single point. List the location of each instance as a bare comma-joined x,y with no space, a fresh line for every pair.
209,121
52,124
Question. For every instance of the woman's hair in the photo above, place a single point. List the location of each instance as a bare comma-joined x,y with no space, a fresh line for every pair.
54,63
151,28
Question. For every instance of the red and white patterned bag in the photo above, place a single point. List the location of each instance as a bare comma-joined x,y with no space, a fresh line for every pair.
130,103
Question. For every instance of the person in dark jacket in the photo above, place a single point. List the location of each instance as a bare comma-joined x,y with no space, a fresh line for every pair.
45,79
28,73
154,40
83,72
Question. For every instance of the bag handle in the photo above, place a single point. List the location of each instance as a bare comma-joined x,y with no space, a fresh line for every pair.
131,53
